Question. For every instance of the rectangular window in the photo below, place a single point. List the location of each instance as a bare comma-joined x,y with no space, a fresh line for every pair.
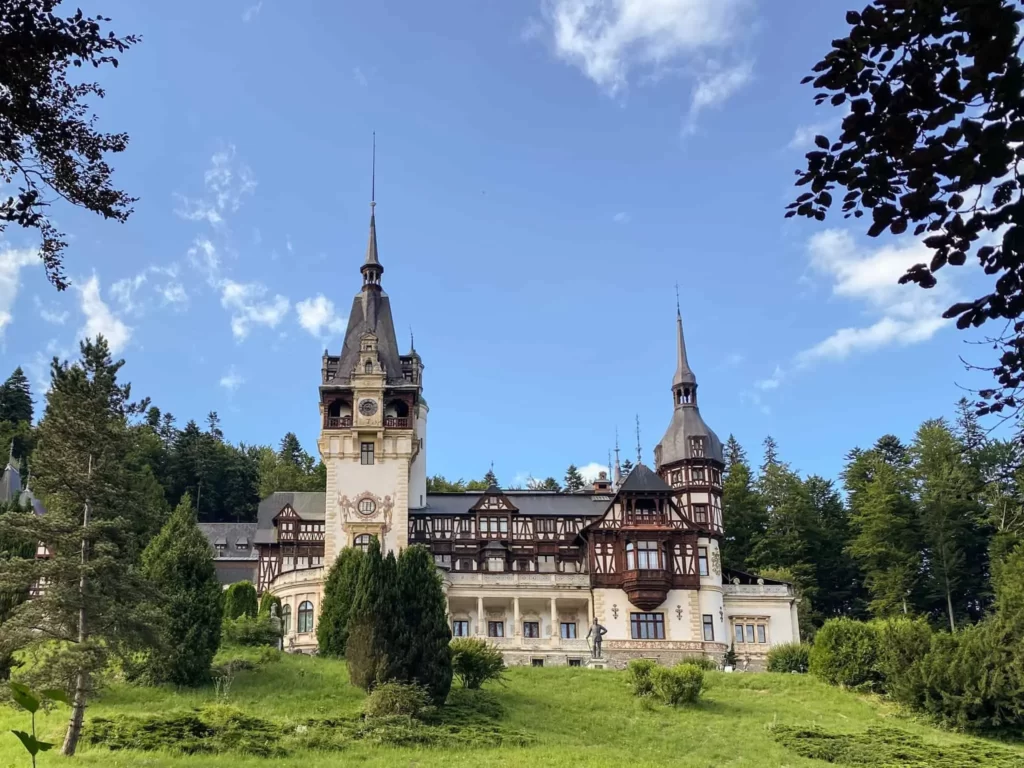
568,630
495,564
709,627
702,560
761,638
575,663
750,633
739,633
697,447
546,563
366,453
700,513
647,626
503,523
643,555
536,662
531,629
460,628
495,629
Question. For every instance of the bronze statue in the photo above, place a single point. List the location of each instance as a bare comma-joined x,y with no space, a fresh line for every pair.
598,632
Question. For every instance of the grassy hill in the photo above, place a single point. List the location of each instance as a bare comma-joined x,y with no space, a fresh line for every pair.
308,714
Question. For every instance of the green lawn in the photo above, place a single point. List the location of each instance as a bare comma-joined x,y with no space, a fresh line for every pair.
572,717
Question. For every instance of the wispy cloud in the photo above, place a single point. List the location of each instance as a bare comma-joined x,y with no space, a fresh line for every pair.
249,305
49,314
714,87
99,319
772,382
621,218
803,137
11,262
162,280
360,77
226,182
252,12
318,316
231,380
904,314
591,471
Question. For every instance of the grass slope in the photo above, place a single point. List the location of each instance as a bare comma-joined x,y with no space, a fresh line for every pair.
574,717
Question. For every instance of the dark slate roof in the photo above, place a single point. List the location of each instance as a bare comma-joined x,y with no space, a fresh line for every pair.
10,483
530,503
370,313
686,423
29,499
308,505
642,480
227,536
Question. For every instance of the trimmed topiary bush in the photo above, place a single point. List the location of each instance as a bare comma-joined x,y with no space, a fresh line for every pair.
789,657
240,600
902,645
396,699
423,654
638,675
845,652
267,602
475,661
681,684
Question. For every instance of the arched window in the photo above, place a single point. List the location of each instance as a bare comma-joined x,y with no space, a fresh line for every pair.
368,367
305,617
362,541
286,618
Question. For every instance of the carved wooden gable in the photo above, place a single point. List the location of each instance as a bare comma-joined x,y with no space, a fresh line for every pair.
494,500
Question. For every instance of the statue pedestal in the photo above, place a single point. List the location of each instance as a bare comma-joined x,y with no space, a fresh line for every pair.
601,663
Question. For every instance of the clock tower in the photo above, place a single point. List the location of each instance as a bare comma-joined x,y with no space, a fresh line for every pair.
373,424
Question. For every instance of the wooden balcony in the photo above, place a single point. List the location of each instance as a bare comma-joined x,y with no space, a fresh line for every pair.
646,589
337,422
397,422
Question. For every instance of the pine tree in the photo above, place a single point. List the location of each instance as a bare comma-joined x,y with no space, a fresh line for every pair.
290,450
240,600
423,655
16,398
373,624
968,428
734,453
100,509
339,596
948,488
179,563
771,453
627,467
491,479
743,512
840,588
573,479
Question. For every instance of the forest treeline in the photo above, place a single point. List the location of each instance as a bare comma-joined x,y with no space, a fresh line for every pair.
225,481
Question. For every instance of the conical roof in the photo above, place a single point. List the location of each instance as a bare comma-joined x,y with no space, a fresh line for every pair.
683,373
644,480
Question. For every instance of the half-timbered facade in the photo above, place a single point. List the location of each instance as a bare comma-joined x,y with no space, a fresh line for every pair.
528,570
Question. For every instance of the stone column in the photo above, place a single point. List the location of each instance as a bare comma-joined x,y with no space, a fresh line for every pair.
481,628
555,629
517,629
590,613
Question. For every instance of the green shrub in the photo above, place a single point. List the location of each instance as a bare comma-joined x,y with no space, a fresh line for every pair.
789,657
902,646
267,602
475,661
730,659
845,652
638,675
677,685
247,630
706,663
240,600
394,699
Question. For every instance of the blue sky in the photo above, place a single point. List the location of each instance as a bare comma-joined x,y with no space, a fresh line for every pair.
547,170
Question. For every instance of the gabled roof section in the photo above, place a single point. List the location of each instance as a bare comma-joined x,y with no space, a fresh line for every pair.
643,480
311,506
493,500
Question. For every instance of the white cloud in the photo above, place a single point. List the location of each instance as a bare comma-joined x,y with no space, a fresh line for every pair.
231,380
164,283
734,359
99,319
49,315
226,182
772,382
609,39
174,293
714,87
249,307
205,257
803,137
252,12
905,314
318,316
360,77
590,471
124,291
621,218
11,262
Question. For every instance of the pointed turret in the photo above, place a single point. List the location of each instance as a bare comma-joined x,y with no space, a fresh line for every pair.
683,373
372,269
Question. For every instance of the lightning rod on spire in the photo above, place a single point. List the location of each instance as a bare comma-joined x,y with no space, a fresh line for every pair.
373,173
678,313
638,456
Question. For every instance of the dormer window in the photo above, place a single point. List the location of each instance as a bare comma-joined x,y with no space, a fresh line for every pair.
697,447
368,368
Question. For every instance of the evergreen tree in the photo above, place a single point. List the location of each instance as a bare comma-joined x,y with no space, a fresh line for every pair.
968,428
339,596
547,484
422,654
16,399
491,479
267,603
743,512
373,622
440,484
627,467
240,600
840,588
291,451
573,479
771,453
179,564
1003,497
948,489
100,508
886,542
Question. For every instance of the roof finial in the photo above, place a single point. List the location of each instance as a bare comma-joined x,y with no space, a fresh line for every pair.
638,457
412,340
618,467
373,174
678,313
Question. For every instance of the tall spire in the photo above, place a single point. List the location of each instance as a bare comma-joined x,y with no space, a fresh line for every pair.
372,269
639,459
683,373
618,467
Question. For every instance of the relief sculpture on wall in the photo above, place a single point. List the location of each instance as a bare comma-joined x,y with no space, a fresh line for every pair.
366,508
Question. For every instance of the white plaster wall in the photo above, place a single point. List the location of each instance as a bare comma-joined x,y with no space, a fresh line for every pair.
677,623
418,471
780,615
385,477
712,603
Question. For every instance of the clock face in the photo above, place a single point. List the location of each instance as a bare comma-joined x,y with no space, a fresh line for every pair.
368,407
